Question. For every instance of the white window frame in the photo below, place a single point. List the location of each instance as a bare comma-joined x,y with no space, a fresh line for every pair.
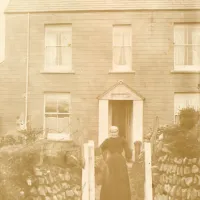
58,28
56,136
186,45
127,67
184,100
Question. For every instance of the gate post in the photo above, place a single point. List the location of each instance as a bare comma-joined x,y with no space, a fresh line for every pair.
148,172
91,171
85,171
88,174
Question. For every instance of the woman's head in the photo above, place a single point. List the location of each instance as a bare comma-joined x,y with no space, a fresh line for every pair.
114,131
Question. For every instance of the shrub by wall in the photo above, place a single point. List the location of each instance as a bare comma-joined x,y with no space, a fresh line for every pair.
176,171
39,169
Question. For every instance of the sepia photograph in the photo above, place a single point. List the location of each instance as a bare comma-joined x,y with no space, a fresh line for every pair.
100,100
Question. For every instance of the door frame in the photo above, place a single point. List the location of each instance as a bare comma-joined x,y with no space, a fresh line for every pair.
137,121
121,91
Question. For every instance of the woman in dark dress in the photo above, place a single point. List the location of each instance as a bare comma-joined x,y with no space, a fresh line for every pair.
115,184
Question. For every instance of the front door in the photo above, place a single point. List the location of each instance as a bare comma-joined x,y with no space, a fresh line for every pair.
120,115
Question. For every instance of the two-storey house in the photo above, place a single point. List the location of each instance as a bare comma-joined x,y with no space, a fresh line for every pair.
86,65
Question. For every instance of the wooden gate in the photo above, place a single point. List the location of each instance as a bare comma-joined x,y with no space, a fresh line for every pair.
88,174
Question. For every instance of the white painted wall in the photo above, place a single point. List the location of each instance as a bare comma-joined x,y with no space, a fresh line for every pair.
103,120
137,121
3,5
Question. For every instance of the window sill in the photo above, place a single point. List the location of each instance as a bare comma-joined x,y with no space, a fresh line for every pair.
185,71
57,72
121,72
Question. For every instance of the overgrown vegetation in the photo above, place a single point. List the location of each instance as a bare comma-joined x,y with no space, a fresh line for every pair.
27,167
176,158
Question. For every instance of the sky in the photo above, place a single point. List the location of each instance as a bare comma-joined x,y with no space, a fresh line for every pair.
3,4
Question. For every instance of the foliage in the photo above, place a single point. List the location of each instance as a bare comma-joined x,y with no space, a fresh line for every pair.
20,153
176,155
180,139
188,117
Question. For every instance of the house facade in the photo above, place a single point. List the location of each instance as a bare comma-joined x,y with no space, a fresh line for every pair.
82,67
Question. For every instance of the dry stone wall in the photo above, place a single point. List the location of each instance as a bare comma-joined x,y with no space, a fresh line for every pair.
176,163
54,183
179,177
30,171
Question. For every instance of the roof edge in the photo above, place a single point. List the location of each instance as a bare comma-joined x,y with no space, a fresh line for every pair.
8,11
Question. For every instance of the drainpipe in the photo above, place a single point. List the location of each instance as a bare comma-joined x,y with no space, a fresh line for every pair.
27,72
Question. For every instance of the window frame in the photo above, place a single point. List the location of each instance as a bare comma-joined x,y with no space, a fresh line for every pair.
121,68
56,136
57,67
187,67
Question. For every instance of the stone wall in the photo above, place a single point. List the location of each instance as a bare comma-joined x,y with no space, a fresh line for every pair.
31,172
55,183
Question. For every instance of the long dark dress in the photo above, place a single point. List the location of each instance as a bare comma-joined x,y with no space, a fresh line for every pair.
115,184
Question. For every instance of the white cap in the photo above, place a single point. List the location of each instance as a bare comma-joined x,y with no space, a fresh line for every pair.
114,131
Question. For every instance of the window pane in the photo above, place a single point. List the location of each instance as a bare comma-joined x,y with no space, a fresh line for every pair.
64,51
122,55
192,55
63,106
128,55
51,123
65,56
127,36
186,100
51,38
195,51
193,34
116,55
66,38
122,36
50,104
179,54
119,56
187,45
117,39
58,42
180,35
63,124
51,56
50,51
196,55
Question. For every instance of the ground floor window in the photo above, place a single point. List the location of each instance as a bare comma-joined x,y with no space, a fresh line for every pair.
57,114
184,100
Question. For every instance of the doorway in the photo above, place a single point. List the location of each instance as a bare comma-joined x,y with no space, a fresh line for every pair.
120,115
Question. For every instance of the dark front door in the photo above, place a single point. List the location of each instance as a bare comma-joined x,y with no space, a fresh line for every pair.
121,117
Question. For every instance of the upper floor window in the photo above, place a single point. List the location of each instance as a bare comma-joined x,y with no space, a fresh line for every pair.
57,115
122,48
187,47
185,100
58,48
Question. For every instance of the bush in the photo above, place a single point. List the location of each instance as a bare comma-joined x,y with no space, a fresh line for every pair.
20,155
